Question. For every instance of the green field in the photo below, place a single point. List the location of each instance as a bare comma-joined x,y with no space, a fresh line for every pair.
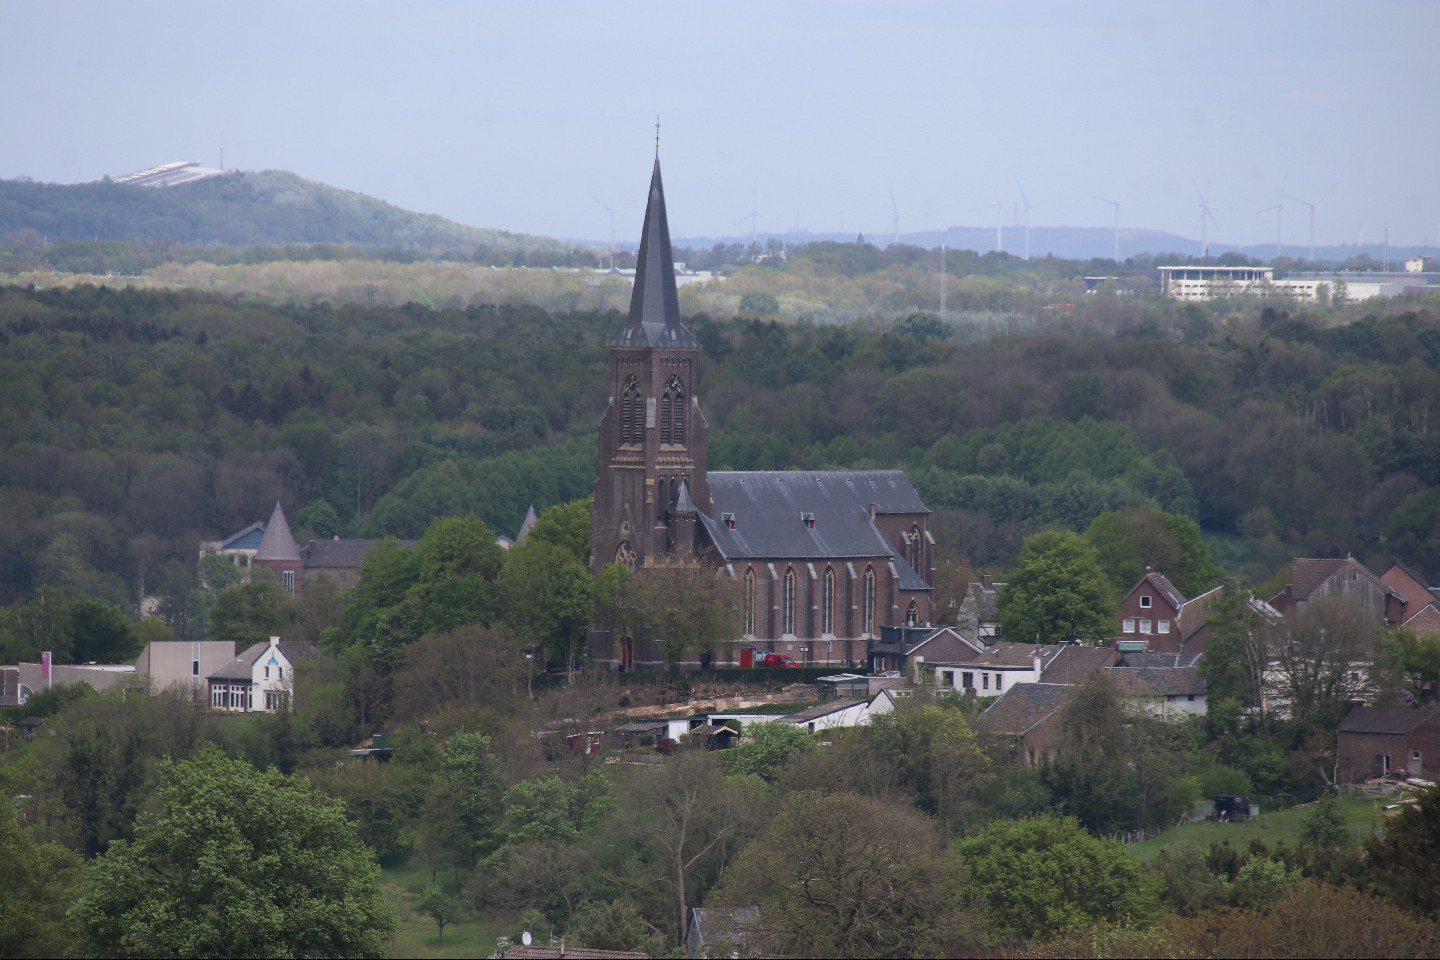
1363,813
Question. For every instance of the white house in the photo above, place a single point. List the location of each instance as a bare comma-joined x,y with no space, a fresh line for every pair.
835,714
261,679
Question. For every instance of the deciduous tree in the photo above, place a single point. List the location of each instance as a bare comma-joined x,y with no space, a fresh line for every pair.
1057,593
237,862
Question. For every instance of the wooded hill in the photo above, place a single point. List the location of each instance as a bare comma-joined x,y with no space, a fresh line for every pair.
240,209
135,424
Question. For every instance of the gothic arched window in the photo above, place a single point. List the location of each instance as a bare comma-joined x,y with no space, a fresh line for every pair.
913,542
632,412
787,605
912,615
827,602
672,412
867,603
749,603
625,554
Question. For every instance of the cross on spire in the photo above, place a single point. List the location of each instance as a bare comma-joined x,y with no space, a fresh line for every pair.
657,136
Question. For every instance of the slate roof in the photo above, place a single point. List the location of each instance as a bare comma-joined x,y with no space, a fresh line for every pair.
1309,574
1148,681
527,524
1022,708
768,505
819,710
1151,659
343,554
247,539
1383,720
654,303
243,666
1004,654
1074,663
277,543
1162,584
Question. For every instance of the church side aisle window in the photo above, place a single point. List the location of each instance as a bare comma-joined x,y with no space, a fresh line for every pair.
787,608
625,554
632,412
827,602
750,603
867,609
672,412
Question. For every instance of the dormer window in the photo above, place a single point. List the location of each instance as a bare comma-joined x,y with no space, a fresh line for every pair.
808,519
728,519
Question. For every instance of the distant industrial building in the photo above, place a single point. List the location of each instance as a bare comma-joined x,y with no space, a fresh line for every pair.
168,175
1210,282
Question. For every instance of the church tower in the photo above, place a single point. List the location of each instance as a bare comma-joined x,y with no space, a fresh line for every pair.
652,436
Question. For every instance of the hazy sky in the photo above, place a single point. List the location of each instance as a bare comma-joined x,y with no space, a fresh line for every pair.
520,115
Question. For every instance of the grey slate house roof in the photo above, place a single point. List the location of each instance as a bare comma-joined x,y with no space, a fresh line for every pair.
1152,681
809,514
1074,663
1383,720
278,543
342,554
1022,708
247,539
1163,585
242,668
655,304
1154,658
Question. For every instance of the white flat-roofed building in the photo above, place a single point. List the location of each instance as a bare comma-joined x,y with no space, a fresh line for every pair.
1206,282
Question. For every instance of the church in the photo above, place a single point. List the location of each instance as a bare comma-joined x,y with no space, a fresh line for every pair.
825,559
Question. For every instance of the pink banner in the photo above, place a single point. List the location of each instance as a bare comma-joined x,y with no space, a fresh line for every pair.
45,660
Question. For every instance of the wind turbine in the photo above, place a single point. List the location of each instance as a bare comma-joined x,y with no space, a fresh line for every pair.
1116,205
612,213
1205,215
1312,223
894,221
1027,216
1279,209
999,209
754,217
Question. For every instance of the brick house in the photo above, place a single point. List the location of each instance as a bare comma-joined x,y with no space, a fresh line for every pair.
1375,741
1312,578
1150,612
1024,720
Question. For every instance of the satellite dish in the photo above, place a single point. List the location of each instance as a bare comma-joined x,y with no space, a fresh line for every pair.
525,938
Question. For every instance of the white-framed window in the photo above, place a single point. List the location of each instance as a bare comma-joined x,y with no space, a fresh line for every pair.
1145,603
1162,626
289,577
985,681
1127,625
1144,626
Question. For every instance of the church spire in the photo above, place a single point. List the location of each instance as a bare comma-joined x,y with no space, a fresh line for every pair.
654,304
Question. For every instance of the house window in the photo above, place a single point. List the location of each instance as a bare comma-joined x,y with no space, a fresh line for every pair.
967,680
1145,603
632,412
1162,626
999,680
749,603
985,681
1144,626
827,602
1127,625
867,602
194,668
267,673
787,605
289,578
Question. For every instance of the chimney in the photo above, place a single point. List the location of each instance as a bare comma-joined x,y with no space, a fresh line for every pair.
871,511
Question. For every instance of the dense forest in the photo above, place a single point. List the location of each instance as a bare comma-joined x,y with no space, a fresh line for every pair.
135,424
